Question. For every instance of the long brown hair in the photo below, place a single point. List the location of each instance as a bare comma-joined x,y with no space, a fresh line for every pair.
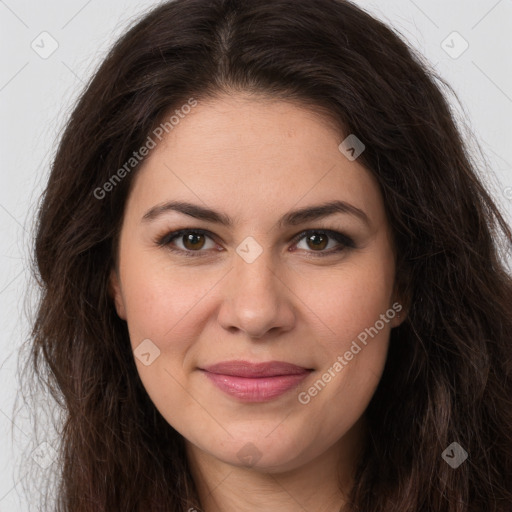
448,376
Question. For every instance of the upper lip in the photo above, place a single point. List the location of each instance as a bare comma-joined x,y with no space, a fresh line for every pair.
240,368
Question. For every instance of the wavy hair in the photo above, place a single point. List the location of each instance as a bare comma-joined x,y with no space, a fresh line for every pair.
448,375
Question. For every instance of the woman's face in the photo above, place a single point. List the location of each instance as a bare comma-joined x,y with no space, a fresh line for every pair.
249,290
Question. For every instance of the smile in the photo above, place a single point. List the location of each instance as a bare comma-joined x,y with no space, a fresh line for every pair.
255,382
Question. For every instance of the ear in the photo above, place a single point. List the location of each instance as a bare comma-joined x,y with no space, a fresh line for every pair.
401,297
114,290
401,310
400,303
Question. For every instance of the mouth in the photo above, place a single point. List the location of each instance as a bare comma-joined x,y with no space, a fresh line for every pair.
255,382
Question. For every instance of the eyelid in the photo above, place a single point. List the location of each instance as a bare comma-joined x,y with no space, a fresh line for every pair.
336,235
344,240
168,237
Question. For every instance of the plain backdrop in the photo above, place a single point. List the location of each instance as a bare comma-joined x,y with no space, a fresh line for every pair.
37,92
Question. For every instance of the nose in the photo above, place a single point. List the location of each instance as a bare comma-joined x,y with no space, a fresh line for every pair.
256,298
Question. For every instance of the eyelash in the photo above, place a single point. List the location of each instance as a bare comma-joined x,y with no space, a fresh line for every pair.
345,241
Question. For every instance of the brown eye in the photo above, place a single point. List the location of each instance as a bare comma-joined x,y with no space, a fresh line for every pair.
317,241
193,241
187,241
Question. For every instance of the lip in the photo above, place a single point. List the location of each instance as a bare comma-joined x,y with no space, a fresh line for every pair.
247,369
255,382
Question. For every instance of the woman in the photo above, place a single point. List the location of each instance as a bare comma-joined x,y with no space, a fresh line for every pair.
270,275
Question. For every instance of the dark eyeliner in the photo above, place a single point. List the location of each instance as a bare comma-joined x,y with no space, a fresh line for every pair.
168,237
344,241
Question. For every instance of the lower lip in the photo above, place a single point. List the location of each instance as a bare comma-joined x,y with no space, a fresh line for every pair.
257,389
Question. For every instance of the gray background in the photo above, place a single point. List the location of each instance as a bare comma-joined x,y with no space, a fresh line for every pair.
37,94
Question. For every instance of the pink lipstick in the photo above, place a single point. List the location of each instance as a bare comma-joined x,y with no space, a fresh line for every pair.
255,382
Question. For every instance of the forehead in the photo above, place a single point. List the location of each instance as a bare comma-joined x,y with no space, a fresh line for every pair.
253,157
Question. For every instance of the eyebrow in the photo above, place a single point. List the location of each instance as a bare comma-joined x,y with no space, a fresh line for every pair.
292,218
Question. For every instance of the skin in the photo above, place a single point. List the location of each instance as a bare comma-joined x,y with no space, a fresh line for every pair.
256,159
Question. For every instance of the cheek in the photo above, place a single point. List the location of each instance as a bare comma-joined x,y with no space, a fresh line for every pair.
160,299
162,306
351,298
356,313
